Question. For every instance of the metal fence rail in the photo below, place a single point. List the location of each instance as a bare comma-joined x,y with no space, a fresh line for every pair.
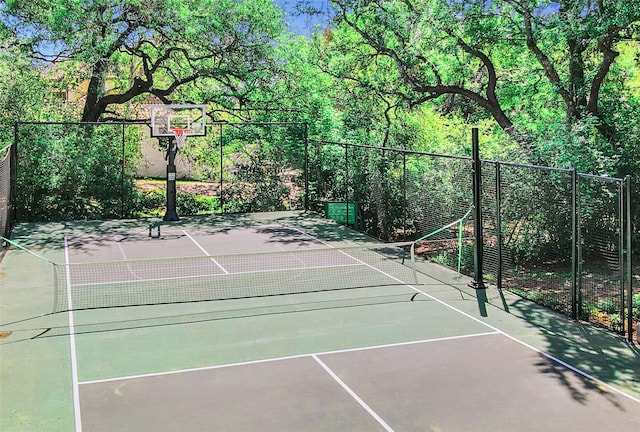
555,236
70,171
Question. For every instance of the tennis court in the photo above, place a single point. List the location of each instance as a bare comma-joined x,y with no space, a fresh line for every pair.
284,322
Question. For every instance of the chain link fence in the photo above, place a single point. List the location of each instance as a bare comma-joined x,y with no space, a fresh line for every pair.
554,236
69,171
532,215
602,247
76,171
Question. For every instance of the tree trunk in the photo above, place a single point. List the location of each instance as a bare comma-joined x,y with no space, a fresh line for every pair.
94,92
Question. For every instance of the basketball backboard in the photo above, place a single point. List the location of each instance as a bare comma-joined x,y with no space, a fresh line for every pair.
166,118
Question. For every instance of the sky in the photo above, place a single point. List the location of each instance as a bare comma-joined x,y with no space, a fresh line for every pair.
301,23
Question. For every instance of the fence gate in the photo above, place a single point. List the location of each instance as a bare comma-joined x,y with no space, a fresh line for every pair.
604,258
561,239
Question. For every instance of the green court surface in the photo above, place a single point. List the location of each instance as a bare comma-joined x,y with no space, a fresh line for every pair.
430,354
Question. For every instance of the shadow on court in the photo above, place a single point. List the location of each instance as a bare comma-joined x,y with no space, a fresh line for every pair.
599,353
270,308
473,383
356,359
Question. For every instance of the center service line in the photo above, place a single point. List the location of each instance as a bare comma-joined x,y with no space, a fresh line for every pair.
353,394
205,252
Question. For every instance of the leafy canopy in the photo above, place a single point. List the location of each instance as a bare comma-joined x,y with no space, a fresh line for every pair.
170,49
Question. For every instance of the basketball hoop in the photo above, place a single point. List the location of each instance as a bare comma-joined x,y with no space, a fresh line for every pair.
181,135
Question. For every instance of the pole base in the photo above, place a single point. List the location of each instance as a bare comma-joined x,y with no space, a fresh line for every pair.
477,285
170,215
157,227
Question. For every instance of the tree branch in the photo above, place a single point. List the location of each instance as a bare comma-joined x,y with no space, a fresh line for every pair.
545,62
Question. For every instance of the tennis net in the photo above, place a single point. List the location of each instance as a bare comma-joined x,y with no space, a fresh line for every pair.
220,277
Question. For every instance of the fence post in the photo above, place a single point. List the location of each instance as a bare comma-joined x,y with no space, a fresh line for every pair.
122,172
628,271
499,224
621,254
405,203
306,167
477,283
578,249
346,182
574,246
13,179
221,193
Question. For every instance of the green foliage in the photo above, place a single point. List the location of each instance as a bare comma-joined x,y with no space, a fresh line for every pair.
451,257
563,77
77,171
24,94
192,204
346,83
426,129
589,310
257,183
208,50
536,214
147,203
636,307
262,166
607,306
153,203
616,321
68,172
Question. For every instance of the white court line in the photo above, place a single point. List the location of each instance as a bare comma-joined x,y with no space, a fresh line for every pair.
205,251
531,347
354,395
124,255
494,329
513,338
72,344
314,238
401,282
131,270
291,357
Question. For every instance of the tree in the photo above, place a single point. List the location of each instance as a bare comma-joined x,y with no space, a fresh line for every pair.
214,49
23,92
369,95
472,49
587,33
425,47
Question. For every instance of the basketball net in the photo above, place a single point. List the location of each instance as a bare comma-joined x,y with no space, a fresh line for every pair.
181,135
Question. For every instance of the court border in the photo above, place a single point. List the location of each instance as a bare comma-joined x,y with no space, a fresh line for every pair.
315,356
77,411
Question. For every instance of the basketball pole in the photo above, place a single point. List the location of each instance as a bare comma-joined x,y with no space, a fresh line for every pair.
172,149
